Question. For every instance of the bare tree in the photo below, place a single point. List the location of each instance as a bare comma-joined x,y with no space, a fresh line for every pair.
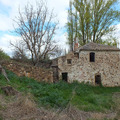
19,56
57,52
36,27
19,50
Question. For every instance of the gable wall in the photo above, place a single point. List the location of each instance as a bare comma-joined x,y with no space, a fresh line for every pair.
62,63
107,64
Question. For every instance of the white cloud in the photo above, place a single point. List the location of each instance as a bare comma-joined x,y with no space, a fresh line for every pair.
5,43
62,41
59,8
117,34
6,22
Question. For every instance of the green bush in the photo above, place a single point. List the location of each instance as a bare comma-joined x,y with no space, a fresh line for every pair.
3,55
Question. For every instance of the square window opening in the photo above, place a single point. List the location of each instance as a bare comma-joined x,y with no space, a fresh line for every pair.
69,61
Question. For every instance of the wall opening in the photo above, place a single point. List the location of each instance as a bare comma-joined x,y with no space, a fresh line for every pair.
92,57
65,77
76,55
69,61
98,79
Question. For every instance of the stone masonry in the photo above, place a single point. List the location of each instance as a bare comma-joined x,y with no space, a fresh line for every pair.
76,66
37,73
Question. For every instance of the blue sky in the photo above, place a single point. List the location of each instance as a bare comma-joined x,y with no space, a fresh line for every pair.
9,9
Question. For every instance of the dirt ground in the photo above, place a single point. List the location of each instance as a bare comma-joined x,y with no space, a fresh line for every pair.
21,107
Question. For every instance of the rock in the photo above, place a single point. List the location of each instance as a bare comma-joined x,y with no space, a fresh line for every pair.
8,90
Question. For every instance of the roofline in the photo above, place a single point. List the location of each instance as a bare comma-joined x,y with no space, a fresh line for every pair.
98,50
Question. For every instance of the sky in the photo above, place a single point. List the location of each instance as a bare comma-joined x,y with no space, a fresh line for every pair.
9,9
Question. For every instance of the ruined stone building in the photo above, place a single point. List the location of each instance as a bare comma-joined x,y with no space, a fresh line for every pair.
93,63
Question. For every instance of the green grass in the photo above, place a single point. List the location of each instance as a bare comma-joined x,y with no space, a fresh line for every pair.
85,97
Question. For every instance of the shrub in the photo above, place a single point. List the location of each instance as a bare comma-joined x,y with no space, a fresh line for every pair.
3,55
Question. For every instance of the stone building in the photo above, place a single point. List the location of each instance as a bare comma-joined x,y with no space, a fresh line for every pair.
93,63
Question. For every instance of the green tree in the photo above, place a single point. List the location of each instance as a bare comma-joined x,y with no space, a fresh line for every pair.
70,27
84,20
96,19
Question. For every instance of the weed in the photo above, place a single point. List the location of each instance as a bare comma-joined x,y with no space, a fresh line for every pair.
86,97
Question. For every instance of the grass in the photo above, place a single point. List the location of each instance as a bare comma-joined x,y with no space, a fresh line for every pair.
59,95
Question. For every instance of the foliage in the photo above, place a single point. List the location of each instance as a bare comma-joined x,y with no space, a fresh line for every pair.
70,27
59,95
92,20
3,55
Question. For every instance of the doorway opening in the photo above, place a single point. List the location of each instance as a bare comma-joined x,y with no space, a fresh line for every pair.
65,77
98,79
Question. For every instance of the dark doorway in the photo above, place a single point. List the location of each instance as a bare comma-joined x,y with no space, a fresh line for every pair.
65,77
98,79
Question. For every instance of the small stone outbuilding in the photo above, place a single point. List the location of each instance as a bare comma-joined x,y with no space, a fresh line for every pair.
93,63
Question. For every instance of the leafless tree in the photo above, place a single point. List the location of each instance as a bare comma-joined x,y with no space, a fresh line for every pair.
36,26
19,50
57,52
18,56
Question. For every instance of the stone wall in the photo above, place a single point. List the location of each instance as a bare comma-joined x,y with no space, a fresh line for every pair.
107,65
37,73
63,65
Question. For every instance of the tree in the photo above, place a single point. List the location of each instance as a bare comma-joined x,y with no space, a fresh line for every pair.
18,56
70,27
36,27
96,19
19,51
57,52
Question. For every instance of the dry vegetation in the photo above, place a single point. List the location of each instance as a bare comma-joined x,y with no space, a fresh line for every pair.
22,107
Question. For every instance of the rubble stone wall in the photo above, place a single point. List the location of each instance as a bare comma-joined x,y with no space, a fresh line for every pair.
63,66
37,73
107,65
